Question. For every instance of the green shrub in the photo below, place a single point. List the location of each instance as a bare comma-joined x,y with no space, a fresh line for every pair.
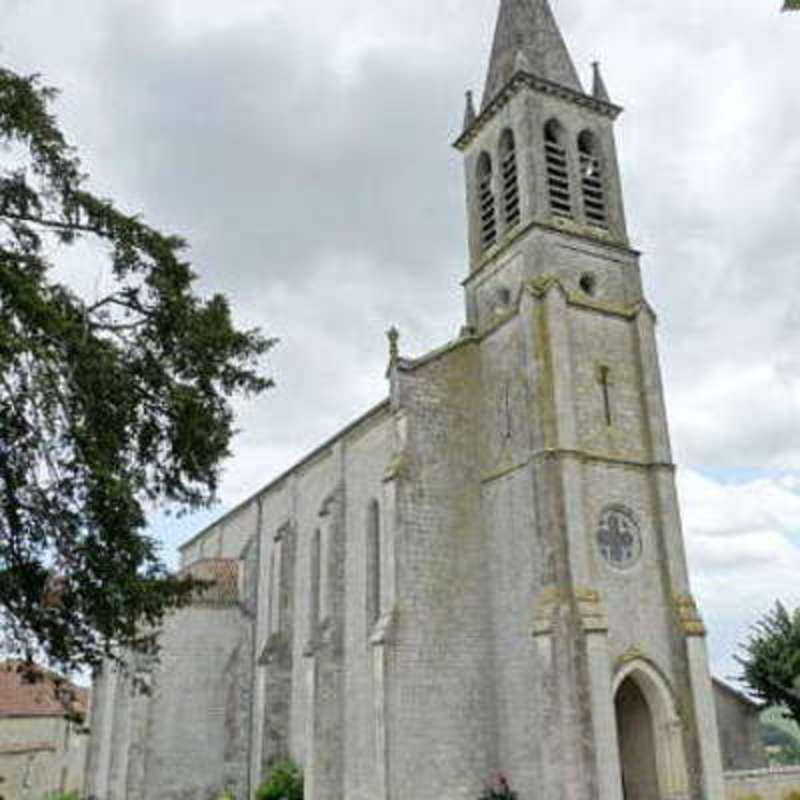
285,782
62,796
498,789
792,796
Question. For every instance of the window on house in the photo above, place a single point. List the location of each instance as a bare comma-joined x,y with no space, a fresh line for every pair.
508,168
555,152
592,184
373,561
486,202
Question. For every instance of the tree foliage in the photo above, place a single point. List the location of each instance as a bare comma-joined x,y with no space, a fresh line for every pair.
783,749
284,782
109,406
771,660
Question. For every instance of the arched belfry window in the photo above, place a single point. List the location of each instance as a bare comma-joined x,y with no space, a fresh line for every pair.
592,181
555,152
486,204
508,168
373,561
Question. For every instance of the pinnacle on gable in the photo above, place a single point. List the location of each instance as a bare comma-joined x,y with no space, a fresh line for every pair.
469,113
527,33
599,90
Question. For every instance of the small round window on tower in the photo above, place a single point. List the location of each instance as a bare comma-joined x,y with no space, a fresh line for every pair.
588,283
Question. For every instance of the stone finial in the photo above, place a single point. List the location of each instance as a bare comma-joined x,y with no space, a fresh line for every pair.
393,335
599,90
469,112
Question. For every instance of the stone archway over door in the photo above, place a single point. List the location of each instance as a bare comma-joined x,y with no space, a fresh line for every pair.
636,743
652,757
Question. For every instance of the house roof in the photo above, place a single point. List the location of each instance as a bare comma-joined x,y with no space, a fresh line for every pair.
224,574
740,696
51,696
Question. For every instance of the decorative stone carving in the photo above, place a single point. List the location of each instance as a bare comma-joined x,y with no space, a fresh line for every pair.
618,537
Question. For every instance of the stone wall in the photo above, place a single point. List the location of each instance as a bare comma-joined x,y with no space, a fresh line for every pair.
40,755
190,738
764,784
739,730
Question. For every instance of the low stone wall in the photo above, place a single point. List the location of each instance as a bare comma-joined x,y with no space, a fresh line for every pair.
763,784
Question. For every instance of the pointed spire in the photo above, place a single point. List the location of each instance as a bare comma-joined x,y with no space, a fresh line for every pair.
528,27
599,86
469,112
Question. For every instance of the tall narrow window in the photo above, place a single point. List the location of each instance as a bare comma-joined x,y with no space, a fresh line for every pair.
373,562
276,599
604,377
508,168
486,204
594,200
316,579
271,626
557,169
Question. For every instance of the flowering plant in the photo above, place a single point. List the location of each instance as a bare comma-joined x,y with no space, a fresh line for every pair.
498,789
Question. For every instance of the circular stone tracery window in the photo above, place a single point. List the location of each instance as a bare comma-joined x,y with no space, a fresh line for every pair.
619,538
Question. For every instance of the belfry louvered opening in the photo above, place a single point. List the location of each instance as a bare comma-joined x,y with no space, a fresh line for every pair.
594,198
508,170
486,202
555,153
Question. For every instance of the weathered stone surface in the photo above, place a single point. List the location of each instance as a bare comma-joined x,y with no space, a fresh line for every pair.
502,638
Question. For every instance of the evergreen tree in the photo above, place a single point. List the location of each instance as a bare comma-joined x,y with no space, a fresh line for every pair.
771,660
108,407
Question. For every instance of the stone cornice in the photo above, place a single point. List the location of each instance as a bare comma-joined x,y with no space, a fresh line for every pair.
595,236
539,287
410,364
580,455
521,80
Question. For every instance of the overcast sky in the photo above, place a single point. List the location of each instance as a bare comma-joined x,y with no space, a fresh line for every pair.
303,148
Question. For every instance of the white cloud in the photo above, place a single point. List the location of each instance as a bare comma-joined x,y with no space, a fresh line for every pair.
743,548
303,149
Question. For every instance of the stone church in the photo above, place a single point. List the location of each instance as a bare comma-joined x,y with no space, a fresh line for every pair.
486,571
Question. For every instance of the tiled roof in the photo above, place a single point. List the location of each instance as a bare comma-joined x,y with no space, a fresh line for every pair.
740,696
224,572
15,749
52,696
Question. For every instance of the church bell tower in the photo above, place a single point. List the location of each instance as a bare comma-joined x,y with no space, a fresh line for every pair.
574,421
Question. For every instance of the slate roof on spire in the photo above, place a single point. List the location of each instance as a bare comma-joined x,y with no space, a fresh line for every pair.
528,27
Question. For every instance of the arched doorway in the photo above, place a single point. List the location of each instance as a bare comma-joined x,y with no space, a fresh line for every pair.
650,735
636,743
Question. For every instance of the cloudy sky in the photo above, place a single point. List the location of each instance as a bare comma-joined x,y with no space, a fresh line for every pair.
303,149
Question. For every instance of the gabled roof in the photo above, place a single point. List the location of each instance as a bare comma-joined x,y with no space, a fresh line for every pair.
527,37
738,695
51,696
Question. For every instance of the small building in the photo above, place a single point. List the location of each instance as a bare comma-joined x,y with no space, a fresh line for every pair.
739,721
42,748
